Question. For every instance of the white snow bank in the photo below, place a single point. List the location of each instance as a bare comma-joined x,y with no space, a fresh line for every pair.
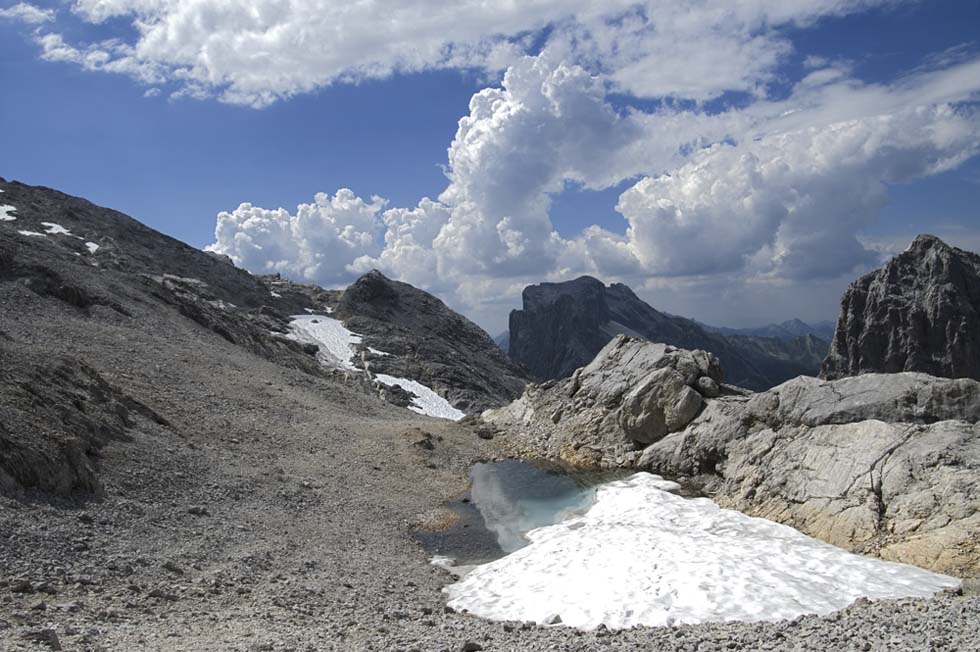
92,247
377,352
32,233
275,294
336,342
5,213
643,556
337,349
426,401
55,229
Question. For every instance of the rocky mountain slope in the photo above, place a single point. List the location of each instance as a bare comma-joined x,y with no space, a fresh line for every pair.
563,325
64,257
424,340
885,464
920,312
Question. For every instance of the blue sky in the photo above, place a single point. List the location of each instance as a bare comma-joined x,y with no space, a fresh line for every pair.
383,120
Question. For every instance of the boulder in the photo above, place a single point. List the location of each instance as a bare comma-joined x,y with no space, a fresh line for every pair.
632,394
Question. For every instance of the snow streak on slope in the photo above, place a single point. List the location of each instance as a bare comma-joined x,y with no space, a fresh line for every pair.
336,342
5,213
426,401
643,556
337,349
54,228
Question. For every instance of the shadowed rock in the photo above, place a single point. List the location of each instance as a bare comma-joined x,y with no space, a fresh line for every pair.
920,312
426,341
562,326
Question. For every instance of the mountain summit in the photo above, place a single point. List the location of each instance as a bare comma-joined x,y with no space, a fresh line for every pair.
920,312
425,340
563,325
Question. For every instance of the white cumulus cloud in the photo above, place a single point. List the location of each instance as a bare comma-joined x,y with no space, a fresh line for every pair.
765,198
316,244
791,204
256,52
27,13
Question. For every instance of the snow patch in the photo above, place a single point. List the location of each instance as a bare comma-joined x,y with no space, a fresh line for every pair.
5,213
337,349
55,229
92,247
336,342
377,352
276,295
644,556
426,401
32,233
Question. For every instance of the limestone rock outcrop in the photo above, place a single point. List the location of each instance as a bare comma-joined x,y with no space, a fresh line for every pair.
632,394
920,312
885,464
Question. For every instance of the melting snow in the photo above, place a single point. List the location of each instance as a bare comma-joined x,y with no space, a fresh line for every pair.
276,295
55,229
643,556
426,401
336,342
5,213
337,349
35,233
92,247
377,352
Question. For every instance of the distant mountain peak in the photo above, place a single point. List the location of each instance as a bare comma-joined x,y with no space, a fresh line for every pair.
919,312
562,326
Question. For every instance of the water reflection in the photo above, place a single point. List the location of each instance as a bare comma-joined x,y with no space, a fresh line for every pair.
507,499
515,497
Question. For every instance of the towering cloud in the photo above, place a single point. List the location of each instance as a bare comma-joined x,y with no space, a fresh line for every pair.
318,243
791,204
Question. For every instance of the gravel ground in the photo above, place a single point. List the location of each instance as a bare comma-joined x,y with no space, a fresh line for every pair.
276,512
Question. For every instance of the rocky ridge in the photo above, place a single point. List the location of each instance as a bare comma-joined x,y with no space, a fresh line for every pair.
420,338
920,312
562,326
880,464
788,329
99,265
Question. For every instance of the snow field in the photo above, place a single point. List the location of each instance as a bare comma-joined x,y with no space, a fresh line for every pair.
644,556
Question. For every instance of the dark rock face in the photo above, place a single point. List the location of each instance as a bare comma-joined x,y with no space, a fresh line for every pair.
55,417
920,312
564,325
428,342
